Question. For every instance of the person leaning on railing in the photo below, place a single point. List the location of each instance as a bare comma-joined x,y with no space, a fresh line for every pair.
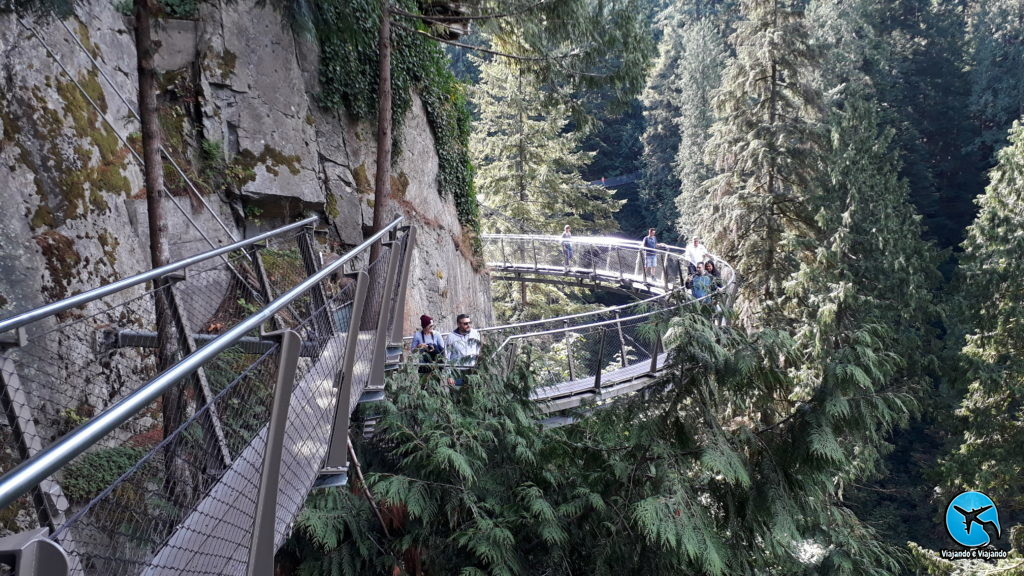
463,349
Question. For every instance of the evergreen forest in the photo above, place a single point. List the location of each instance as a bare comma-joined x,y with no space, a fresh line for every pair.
861,164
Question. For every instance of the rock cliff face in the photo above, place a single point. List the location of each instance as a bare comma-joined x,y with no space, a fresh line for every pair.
238,93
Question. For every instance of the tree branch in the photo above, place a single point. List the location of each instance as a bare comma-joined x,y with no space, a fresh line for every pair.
470,46
495,16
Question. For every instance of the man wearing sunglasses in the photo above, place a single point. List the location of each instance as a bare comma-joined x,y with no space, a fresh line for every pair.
462,347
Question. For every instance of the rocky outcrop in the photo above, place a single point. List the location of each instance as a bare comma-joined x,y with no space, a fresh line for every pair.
239,86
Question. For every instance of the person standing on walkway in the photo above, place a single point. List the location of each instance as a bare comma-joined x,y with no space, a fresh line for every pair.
695,254
463,348
701,283
428,344
650,243
567,246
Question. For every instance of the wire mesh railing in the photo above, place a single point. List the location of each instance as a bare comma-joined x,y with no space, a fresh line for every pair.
162,475
606,259
583,355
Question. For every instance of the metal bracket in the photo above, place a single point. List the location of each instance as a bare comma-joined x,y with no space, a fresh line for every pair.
31,553
16,338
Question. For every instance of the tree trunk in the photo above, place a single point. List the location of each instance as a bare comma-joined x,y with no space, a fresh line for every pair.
173,407
382,183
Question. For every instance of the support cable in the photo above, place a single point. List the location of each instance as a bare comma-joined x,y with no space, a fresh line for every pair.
131,109
134,154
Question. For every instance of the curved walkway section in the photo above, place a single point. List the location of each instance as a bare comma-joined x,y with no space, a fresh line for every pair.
590,358
595,261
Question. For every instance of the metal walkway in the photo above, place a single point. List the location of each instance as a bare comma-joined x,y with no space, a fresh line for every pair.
202,434
213,454
589,359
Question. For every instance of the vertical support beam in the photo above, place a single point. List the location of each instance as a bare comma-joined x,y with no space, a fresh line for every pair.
504,256
568,351
600,362
261,550
321,315
211,422
618,259
664,270
264,280
403,283
533,244
380,338
622,339
513,352
337,449
655,352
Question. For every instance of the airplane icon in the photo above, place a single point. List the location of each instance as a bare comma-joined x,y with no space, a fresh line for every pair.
972,518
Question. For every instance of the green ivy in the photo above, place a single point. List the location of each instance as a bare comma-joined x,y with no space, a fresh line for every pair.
86,477
347,31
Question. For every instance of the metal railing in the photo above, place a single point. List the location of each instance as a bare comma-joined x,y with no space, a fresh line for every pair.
601,353
202,495
604,260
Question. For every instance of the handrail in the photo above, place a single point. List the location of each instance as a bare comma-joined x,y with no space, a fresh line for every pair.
572,316
561,318
600,241
31,472
612,321
97,293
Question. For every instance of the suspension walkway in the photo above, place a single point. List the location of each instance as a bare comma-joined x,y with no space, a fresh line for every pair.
264,355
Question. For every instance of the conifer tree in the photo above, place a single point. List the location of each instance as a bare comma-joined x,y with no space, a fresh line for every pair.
697,76
843,31
528,176
923,79
996,41
528,162
662,100
766,147
991,285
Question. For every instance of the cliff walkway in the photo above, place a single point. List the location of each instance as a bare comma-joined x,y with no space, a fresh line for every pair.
266,352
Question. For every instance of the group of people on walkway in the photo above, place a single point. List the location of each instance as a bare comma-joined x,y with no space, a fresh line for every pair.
459,348
703,277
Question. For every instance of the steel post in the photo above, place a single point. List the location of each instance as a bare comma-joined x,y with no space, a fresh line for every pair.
410,245
337,450
31,553
600,362
261,552
320,313
568,350
48,498
655,352
380,341
261,274
622,339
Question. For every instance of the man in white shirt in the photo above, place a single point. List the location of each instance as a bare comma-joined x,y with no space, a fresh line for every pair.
462,346
695,254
